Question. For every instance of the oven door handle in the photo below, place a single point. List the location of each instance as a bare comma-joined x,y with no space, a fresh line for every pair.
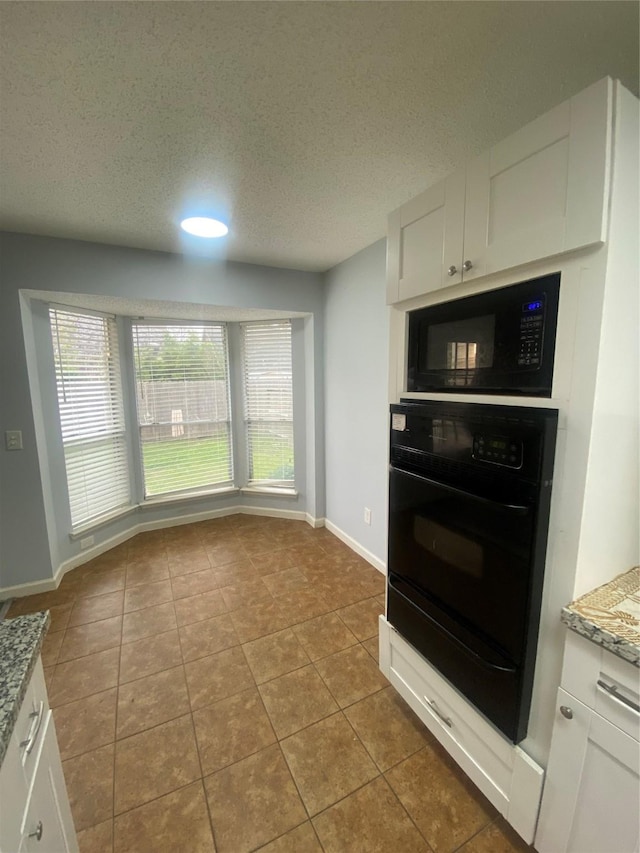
467,649
519,508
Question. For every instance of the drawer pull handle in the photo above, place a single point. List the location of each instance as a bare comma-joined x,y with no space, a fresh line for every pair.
438,712
566,712
38,832
612,690
36,716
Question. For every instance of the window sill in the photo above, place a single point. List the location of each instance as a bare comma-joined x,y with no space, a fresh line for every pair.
79,532
147,503
266,490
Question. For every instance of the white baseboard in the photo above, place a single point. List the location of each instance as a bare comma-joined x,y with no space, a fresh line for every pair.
33,587
378,564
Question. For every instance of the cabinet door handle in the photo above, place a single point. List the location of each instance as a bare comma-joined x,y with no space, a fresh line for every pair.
32,737
467,265
566,712
452,270
612,690
438,712
37,833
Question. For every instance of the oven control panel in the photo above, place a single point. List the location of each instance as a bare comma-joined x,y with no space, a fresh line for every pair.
497,449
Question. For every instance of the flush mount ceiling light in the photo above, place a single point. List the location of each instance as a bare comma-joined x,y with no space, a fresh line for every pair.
204,226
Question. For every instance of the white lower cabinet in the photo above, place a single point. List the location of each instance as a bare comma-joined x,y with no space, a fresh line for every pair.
504,773
591,799
35,816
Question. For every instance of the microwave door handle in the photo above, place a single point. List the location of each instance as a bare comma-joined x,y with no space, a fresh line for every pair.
519,508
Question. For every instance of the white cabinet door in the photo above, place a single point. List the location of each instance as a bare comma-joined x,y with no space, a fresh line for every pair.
425,240
544,189
592,791
48,825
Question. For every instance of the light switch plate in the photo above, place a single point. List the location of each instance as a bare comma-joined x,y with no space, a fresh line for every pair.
13,439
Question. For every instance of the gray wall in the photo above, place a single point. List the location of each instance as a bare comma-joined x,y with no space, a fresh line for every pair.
356,368
30,485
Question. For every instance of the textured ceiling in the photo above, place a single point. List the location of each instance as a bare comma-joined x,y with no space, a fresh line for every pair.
304,122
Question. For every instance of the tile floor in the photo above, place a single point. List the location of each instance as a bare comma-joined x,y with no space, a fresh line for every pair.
215,688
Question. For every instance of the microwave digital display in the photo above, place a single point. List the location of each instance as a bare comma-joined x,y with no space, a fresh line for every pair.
498,342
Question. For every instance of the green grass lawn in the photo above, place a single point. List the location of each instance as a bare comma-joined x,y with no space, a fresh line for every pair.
174,465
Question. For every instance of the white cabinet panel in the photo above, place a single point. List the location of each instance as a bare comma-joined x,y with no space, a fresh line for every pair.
540,192
592,791
48,824
423,235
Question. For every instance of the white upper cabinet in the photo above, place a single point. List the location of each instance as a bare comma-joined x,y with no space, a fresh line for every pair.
540,192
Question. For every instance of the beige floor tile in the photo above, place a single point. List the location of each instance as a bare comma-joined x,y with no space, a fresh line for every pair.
97,839
83,677
303,604
351,675
275,655
97,607
91,638
218,676
324,635
51,647
194,583
253,802
372,647
289,580
148,622
235,572
370,819
89,781
296,700
102,582
152,700
447,811
196,608
152,654
147,595
257,621
327,762
387,727
176,822
498,837
155,762
220,555
232,729
147,571
60,615
302,839
362,618
273,561
40,601
244,593
86,724
207,637
257,544
183,563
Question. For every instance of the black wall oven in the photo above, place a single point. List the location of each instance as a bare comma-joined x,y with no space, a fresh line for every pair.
469,495
501,341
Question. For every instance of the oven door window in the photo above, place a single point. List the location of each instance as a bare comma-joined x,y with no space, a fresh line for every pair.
468,555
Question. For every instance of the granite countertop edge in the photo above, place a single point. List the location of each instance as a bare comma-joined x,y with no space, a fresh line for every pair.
20,645
603,622
624,649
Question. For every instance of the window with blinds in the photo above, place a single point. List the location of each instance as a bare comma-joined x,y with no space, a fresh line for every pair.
85,348
268,393
182,392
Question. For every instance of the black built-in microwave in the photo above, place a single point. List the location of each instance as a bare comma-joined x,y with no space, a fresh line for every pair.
498,342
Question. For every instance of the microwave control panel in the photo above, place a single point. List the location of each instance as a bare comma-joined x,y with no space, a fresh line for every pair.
497,449
531,331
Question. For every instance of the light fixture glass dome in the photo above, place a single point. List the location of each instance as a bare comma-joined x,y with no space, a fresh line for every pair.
204,226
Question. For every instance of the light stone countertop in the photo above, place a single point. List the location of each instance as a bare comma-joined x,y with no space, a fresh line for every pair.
20,644
610,616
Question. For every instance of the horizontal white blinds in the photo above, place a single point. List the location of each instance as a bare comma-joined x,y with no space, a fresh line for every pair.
89,391
268,402
182,390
